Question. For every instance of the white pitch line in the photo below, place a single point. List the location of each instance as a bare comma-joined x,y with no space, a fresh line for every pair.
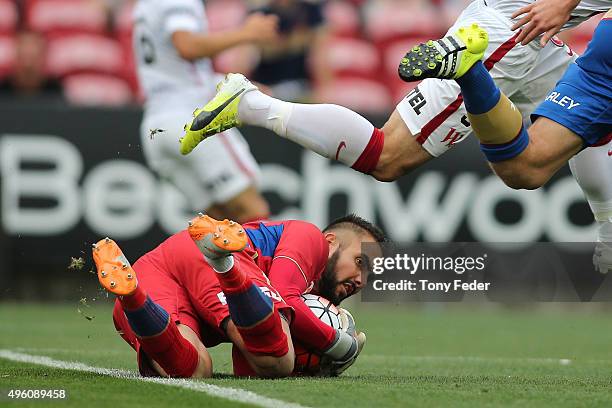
476,359
232,394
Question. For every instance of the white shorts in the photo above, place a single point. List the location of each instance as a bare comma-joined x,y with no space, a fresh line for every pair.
218,169
434,111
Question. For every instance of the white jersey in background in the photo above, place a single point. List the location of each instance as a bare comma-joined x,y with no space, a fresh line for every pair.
174,87
585,10
164,76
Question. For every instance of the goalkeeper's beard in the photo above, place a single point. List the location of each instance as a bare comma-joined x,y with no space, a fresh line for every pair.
328,282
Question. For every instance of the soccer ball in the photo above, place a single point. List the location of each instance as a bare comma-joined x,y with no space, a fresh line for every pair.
307,362
325,310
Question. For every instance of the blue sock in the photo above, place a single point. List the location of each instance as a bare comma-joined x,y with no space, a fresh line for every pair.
499,152
149,320
249,307
480,94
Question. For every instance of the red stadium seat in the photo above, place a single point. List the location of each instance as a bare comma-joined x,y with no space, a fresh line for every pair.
399,89
93,89
123,25
8,16
7,55
342,18
579,37
123,22
84,53
351,57
388,19
65,16
356,93
225,14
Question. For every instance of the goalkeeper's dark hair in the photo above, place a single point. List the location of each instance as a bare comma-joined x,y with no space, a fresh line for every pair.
358,224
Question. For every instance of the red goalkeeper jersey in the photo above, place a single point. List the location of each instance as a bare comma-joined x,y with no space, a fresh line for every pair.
293,254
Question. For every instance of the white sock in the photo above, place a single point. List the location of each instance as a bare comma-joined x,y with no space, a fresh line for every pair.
592,169
329,130
222,264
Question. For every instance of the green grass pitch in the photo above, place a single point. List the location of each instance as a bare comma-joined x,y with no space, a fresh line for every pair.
443,355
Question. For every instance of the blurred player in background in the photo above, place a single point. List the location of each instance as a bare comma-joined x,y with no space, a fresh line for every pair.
286,65
28,79
219,282
173,51
431,118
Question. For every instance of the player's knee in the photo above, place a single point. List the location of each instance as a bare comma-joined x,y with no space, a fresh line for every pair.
387,173
401,152
526,179
204,368
392,164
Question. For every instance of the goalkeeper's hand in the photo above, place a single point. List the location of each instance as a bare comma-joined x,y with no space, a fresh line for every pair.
333,368
345,349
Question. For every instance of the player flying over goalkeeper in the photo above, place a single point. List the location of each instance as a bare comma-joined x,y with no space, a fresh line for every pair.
436,115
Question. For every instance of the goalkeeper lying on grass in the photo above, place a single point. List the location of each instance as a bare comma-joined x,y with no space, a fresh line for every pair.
219,282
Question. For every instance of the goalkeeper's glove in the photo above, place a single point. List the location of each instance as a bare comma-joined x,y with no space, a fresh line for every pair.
345,349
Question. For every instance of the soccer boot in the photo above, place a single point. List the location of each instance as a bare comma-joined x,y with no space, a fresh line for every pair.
220,114
216,239
114,271
447,58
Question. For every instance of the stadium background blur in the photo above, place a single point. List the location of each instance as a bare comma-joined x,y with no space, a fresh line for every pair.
83,48
72,171
71,168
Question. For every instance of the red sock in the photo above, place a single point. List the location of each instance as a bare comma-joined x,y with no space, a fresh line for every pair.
134,301
267,337
234,280
366,163
175,354
246,303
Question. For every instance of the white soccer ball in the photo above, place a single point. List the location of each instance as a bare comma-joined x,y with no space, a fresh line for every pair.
323,309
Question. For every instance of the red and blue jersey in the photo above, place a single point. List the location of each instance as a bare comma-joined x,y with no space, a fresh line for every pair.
293,254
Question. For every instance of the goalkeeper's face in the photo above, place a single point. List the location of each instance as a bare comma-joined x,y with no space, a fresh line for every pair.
345,273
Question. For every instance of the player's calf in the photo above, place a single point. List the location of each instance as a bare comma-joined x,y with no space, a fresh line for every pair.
263,365
158,335
549,147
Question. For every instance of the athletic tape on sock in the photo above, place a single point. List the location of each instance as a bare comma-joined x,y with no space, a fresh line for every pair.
499,152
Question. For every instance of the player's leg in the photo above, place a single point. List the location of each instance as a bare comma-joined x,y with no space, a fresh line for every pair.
254,316
424,125
580,108
263,364
592,169
175,349
232,178
329,130
522,159
401,152
220,179
339,133
547,147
